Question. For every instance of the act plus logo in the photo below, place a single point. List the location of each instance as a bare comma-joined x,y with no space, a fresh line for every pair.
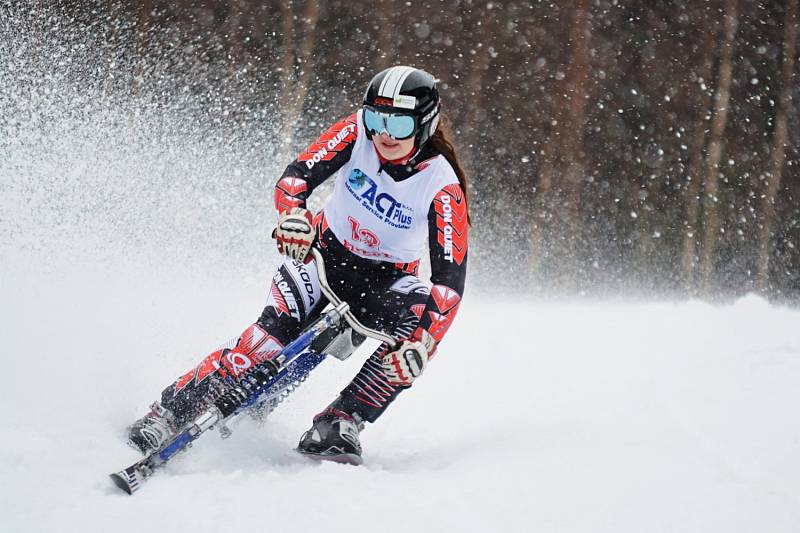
381,204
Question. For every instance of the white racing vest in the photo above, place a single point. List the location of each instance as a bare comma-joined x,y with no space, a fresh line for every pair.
376,217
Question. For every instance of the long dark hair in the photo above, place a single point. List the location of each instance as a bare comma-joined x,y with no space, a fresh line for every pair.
441,141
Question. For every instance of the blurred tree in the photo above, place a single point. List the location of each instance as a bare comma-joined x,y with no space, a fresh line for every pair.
596,128
697,142
297,64
387,35
561,174
144,23
711,216
780,136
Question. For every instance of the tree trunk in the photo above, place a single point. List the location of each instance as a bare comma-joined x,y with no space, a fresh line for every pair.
287,65
541,209
142,42
778,148
287,47
231,29
143,24
475,91
555,215
695,170
711,217
577,80
296,87
387,47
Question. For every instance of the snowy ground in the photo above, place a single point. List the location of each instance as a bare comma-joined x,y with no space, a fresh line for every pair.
574,418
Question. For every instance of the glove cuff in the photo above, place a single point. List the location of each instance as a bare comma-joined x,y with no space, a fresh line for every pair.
422,336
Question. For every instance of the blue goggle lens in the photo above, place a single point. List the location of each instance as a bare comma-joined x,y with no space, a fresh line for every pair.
397,126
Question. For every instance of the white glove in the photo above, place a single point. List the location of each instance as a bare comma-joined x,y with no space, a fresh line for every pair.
295,233
405,364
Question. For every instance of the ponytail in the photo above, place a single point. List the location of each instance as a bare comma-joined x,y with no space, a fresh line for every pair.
441,141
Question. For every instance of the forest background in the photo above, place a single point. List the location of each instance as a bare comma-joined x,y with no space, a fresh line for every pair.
614,147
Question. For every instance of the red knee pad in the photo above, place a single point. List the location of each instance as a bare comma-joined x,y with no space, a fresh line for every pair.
255,345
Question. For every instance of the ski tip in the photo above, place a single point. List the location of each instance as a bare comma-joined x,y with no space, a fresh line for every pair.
126,481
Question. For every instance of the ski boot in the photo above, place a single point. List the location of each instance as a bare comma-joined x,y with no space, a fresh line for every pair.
151,431
333,437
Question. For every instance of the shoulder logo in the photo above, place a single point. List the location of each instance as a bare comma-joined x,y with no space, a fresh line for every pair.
333,141
452,222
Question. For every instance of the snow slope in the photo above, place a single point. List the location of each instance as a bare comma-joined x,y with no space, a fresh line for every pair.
574,418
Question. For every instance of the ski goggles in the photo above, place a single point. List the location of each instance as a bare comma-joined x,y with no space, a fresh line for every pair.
398,127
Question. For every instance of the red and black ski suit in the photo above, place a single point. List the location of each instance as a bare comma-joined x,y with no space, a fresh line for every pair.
383,294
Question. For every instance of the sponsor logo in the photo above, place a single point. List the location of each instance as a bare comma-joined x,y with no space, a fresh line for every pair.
409,284
452,222
330,146
381,204
236,362
363,235
356,179
350,247
429,116
286,297
254,346
405,101
309,287
447,217
304,279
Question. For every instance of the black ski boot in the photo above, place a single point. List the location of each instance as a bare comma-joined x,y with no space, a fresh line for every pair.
334,437
151,431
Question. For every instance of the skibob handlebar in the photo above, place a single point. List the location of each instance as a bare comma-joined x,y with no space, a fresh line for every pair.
336,302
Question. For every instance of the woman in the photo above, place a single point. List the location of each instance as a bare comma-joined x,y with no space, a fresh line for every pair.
398,182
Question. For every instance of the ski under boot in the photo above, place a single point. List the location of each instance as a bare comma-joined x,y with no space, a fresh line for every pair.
333,437
151,431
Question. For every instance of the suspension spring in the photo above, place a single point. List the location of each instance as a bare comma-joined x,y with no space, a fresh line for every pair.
246,386
264,409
